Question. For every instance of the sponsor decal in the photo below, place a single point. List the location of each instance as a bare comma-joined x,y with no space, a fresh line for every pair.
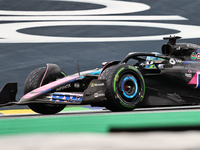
65,97
77,85
195,55
92,84
188,75
63,87
178,48
195,80
117,77
99,95
173,61
193,46
96,84
178,61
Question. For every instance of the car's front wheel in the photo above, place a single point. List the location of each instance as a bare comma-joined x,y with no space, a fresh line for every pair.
125,87
33,81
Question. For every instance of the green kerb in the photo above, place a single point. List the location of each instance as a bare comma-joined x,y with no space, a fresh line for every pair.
100,123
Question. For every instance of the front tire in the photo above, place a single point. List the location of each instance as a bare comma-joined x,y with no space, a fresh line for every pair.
33,81
125,87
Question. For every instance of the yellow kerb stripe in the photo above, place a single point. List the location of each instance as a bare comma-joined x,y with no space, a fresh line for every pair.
16,111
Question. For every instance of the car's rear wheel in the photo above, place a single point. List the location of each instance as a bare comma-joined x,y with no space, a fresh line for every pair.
33,81
125,87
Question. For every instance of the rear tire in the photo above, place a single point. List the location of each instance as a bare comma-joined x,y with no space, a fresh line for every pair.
33,81
125,87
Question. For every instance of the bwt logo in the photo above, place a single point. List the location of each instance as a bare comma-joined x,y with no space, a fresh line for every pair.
107,16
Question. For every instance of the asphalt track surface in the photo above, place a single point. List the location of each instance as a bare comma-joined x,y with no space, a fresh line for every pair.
36,32
19,56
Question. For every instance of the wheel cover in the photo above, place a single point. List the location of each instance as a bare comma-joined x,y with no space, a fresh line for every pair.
129,86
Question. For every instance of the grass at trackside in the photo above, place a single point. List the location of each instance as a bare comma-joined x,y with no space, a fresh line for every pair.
97,123
75,108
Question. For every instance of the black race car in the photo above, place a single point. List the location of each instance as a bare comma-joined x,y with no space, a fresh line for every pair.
140,80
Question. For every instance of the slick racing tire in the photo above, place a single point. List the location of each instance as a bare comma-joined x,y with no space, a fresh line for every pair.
33,81
125,87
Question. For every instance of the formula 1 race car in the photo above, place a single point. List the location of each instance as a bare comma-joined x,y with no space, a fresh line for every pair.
151,79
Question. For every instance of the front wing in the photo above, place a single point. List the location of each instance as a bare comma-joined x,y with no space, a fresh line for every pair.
95,93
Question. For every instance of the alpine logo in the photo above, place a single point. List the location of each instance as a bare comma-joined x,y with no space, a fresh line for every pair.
195,80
